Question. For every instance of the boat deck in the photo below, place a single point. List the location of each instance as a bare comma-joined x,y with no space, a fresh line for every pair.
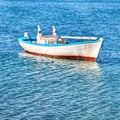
32,41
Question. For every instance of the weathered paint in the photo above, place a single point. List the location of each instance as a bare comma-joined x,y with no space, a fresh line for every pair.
87,50
64,57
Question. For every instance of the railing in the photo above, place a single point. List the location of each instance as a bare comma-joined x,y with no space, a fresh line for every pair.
80,37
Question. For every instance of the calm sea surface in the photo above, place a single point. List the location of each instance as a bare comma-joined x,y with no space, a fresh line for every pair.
41,88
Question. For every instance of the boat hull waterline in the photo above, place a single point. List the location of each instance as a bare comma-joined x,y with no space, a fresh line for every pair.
85,50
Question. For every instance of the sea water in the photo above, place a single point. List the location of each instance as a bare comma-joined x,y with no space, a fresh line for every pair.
42,88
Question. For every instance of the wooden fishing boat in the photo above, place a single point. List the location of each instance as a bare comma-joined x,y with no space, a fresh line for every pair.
70,47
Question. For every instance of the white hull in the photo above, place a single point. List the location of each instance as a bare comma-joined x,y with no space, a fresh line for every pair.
87,51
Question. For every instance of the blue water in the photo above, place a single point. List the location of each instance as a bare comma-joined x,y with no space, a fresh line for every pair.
41,88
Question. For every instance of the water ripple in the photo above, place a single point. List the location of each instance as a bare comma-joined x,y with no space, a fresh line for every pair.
41,88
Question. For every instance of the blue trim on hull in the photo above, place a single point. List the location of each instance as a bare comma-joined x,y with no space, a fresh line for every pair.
32,41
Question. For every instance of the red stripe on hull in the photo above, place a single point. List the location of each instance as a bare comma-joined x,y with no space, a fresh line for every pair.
64,57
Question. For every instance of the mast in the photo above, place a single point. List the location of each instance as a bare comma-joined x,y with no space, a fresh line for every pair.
39,34
39,31
54,32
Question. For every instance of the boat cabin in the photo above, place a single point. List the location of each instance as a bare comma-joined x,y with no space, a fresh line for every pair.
51,39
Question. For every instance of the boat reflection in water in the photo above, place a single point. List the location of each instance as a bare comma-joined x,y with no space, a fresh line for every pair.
64,85
76,69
